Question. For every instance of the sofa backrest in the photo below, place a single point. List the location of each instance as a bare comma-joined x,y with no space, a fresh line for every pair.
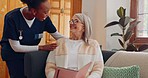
123,58
107,55
34,64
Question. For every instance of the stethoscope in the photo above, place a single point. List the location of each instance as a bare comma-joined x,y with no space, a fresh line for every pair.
20,34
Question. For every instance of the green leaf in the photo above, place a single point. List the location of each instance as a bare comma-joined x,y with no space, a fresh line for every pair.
116,34
122,49
111,24
121,43
128,35
121,12
133,25
124,21
143,47
115,50
121,27
131,47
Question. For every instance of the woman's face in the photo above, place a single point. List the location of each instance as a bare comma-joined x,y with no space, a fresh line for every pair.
43,10
76,26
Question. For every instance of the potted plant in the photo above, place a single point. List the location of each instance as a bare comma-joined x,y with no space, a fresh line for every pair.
127,31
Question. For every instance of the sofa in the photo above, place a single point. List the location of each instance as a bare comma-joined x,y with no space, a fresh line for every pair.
34,62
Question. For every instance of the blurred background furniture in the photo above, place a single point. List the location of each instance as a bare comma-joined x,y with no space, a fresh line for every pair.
35,62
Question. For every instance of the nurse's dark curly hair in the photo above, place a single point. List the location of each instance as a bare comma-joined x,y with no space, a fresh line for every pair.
33,3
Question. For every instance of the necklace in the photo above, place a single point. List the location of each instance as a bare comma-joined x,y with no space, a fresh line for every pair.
20,32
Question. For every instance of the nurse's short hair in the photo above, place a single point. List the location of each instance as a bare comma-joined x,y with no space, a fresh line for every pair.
87,26
33,3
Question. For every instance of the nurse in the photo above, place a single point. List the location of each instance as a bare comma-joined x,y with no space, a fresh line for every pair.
23,30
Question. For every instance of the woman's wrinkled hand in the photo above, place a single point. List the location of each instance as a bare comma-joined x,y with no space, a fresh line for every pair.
48,47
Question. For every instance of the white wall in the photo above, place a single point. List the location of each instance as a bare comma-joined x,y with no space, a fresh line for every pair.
112,6
102,12
96,9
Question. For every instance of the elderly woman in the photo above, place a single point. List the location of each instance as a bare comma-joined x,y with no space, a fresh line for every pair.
78,50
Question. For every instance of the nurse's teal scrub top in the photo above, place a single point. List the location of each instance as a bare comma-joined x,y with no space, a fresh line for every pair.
13,24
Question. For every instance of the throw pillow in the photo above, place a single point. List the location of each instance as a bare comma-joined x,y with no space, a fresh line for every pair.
121,72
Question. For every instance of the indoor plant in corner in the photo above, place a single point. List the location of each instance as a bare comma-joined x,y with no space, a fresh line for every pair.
127,25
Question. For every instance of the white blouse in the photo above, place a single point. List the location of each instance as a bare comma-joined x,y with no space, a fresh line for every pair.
73,53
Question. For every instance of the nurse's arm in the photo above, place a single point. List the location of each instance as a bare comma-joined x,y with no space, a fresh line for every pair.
56,35
48,47
17,47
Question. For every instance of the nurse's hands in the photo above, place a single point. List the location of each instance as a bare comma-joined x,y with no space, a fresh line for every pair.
49,47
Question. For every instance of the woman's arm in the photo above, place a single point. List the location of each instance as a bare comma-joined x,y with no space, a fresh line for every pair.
50,65
98,66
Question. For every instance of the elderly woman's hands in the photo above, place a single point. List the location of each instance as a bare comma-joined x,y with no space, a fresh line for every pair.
48,47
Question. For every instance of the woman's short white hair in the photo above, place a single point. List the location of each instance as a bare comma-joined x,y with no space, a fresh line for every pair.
87,25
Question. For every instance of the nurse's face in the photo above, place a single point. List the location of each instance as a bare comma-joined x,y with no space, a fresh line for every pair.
41,13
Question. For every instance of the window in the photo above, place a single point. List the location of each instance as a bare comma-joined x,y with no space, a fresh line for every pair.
142,28
139,11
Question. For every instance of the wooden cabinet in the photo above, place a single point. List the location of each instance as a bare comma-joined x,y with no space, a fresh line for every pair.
60,16
3,11
5,6
60,13
14,4
76,7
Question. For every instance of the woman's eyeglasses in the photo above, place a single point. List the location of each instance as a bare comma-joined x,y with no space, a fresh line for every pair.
74,21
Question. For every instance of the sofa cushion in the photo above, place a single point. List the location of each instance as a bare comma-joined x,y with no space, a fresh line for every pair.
124,58
121,72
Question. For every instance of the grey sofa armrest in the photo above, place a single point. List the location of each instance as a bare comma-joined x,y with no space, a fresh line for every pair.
107,55
34,64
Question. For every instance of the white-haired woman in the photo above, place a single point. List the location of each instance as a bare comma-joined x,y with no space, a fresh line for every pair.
78,50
